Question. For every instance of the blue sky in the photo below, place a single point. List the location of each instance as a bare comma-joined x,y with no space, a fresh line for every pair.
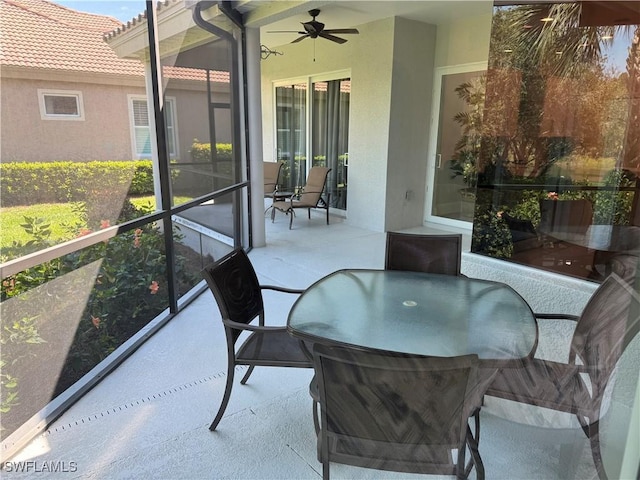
123,10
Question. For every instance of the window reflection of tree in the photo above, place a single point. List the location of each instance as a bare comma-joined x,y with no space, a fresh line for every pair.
555,116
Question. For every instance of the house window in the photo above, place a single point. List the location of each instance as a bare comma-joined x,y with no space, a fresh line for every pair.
141,134
60,105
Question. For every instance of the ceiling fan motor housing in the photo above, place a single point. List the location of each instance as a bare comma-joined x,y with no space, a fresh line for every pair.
315,29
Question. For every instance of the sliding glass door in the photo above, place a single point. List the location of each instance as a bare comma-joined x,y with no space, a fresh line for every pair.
456,138
316,123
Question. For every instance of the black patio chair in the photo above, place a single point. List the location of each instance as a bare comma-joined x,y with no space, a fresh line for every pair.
605,328
235,286
397,412
423,253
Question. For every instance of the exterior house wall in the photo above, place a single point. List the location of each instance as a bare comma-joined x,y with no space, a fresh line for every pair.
24,136
369,55
193,122
105,104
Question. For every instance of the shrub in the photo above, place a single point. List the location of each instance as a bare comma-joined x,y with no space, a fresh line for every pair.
125,280
201,152
28,183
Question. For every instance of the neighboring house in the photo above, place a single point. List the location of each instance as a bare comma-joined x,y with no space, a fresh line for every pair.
62,85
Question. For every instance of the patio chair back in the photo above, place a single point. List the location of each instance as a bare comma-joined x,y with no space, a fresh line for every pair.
424,253
313,189
234,285
397,412
271,172
606,326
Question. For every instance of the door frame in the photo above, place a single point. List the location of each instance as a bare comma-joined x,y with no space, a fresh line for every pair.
433,142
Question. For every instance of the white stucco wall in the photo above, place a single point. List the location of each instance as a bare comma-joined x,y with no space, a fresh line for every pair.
412,83
464,40
369,125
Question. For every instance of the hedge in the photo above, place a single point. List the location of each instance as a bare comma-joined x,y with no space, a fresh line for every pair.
201,152
28,183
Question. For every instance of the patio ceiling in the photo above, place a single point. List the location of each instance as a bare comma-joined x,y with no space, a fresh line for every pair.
278,15
178,31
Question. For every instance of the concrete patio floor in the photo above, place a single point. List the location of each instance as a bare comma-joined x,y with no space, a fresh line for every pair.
149,418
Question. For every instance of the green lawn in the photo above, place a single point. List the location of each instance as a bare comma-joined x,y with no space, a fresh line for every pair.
55,214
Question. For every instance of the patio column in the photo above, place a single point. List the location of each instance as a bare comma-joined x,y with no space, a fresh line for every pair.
254,109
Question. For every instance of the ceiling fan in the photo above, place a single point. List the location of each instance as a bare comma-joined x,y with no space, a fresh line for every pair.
315,29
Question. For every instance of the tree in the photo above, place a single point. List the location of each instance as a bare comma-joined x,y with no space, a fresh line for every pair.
554,70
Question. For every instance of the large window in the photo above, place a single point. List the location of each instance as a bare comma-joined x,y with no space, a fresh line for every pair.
554,153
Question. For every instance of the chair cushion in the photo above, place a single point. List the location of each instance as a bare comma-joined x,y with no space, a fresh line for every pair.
274,348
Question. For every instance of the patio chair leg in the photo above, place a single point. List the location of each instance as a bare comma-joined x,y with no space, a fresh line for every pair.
247,375
291,219
594,441
225,397
316,420
327,206
325,468
475,455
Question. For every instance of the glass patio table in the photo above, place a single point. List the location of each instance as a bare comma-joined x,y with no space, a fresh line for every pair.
417,313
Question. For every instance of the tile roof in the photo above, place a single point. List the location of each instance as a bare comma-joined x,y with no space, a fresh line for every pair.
42,34
132,23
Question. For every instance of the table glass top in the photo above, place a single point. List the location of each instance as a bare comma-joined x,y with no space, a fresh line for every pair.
419,313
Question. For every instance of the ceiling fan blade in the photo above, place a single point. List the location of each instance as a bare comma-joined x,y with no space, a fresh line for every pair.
342,30
284,31
333,38
314,29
